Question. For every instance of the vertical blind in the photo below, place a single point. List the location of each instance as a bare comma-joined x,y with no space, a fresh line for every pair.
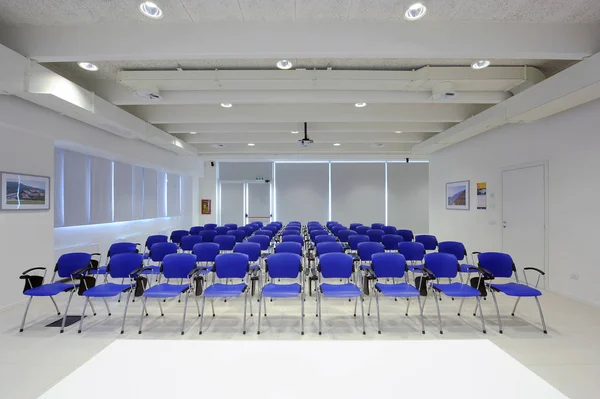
302,191
173,195
138,193
150,193
123,202
76,193
101,189
408,196
58,187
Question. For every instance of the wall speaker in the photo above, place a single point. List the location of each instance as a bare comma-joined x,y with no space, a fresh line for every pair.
212,163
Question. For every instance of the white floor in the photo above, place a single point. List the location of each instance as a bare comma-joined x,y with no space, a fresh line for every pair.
568,358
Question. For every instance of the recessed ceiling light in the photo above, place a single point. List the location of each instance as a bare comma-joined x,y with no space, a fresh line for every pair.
88,66
415,12
295,132
336,144
193,132
284,64
360,105
226,105
250,144
151,10
480,64
398,131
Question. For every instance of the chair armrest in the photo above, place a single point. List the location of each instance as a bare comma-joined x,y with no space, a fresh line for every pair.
23,275
536,269
426,271
475,253
81,272
193,272
138,271
484,272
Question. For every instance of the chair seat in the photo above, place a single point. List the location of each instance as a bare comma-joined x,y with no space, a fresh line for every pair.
397,290
146,256
254,267
155,270
348,290
514,289
281,290
106,290
50,289
100,270
365,267
464,268
457,290
165,290
225,290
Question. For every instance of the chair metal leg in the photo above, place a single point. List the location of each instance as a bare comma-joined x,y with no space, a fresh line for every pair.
260,297
407,306
55,306
438,310
461,305
497,309
82,316
377,306
125,311
92,306
106,304
197,304
187,296
202,312
251,312
62,327
319,310
481,314
355,304
245,303
362,310
515,308
144,300
212,305
541,315
25,314
160,307
302,313
369,308
421,314
475,311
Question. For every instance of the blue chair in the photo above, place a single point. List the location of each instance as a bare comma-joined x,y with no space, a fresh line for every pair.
337,228
338,266
158,252
232,226
283,266
377,226
195,230
331,223
344,234
390,265
293,238
290,232
457,249
114,249
316,233
354,240
414,253
123,266
253,251
325,238
353,226
188,242
391,241
208,235
226,242
366,250
228,267
179,267
501,265
328,247
70,268
430,243
441,265
289,247
239,234
176,235
263,240
389,229
248,229
362,230
259,224
222,230
206,252
375,234
407,235
210,226
273,229
151,240
263,232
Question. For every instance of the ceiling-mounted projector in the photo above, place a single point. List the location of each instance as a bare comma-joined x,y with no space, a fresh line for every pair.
305,142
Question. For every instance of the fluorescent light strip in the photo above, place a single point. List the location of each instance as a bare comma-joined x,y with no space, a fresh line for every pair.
386,193
329,217
274,196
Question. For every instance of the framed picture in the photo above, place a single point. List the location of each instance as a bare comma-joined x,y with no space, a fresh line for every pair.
457,195
24,192
206,207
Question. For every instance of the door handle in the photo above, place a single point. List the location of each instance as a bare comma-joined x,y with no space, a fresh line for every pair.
503,224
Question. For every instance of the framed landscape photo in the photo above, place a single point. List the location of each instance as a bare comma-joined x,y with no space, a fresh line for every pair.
24,192
206,207
457,195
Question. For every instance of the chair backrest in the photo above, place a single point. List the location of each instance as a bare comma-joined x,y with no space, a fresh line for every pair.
221,230
328,247
367,249
69,263
336,265
232,226
293,238
249,230
290,232
407,235
429,242
226,242
151,240
354,240
389,229
188,242
122,248
177,234
377,226
272,228
412,251
344,234
391,241
252,249
178,265
375,234
238,234
453,247
335,229
210,226
121,265
443,265
263,240
159,250
353,226
289,247
195,230
388,265
501,265
325,238
258,224
284,265
208,235
206,251
263,232
362,230
252,226
316,233
232,265
331,223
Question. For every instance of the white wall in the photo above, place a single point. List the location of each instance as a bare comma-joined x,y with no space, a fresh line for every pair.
207,190
569,142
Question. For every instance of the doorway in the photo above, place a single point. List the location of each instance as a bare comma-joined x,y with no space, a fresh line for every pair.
243,202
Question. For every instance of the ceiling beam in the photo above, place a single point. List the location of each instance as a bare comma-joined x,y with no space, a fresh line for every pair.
304,39
286,138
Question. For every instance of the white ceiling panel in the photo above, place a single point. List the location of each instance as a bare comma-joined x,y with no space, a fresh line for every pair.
211,10
268,10
319,9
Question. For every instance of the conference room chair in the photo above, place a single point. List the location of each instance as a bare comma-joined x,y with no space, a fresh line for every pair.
272,228
377,226
344,234
210,226
228,267
252,226
337,228
177,234
239,234
443,265
179,267
289,232
231,226
125,266
114,249
335,265
354,240
253,251
407,235
259,224
365,252
283,266
414,252
325,238
208,235
195,230
430,242
500,265
293,238
222,230
158,252
151,240
386,266
391,241
264,232
328,247
316,233
264,240
362,230
389,229
248,231
460,252
331,223
353,226
188,242
69,269
226,242
289,247
205,252
375,234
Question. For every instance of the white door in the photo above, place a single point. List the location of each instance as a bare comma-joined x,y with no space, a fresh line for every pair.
232,203
523,214
259,202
